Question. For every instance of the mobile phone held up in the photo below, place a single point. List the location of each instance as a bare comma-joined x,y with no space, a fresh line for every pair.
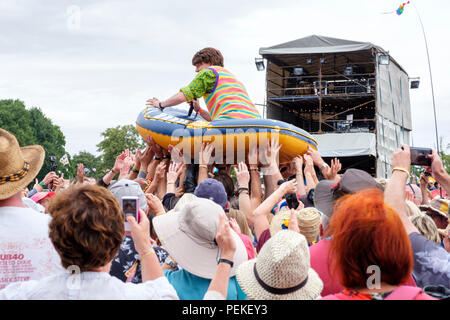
292,201
130,206
419,156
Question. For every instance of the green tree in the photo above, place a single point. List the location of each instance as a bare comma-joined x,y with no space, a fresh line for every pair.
91,162
33,127
117,140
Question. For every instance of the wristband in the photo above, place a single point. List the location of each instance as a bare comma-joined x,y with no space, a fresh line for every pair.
160,106
401,169
323,166
42,184
147,253
156,158
134,170
159,213
226,261
203,166
166,157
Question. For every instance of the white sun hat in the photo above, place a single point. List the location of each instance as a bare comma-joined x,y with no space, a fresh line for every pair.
189,237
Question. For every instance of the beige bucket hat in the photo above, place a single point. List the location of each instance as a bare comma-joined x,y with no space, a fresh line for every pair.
18,166
189,237
281,271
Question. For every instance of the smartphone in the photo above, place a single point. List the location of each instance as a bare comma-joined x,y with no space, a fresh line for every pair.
292,201
130,206
419,156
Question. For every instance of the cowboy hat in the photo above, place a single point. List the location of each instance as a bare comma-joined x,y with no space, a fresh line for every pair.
18,165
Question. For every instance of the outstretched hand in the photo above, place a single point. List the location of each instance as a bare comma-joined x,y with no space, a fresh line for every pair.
153,102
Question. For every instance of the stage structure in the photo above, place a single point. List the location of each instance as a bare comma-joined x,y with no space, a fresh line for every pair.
351,96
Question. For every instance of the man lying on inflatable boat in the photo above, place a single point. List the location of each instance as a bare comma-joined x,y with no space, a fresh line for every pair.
225,97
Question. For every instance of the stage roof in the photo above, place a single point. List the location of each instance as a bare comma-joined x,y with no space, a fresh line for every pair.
316,44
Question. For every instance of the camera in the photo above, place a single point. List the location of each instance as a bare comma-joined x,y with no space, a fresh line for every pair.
130,206
419,156
53,165
292,201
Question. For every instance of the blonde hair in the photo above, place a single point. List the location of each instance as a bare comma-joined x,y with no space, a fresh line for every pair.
241,220
426,227
412,209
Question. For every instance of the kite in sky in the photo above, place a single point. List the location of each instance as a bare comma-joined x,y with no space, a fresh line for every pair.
401,8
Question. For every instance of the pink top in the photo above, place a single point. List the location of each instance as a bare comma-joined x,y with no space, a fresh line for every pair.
248,245
319,257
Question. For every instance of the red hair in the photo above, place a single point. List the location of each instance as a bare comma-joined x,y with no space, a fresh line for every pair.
366,232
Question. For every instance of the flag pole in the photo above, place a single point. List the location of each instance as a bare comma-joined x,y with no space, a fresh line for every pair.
431,78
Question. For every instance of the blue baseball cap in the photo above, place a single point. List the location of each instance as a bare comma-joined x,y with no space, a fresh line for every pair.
213,190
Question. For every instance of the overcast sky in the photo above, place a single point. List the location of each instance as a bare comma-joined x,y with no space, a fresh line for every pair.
97,71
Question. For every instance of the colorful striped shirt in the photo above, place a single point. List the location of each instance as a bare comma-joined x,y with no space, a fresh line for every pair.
226,98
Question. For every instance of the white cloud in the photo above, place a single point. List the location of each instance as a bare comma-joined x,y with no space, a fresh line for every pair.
125,52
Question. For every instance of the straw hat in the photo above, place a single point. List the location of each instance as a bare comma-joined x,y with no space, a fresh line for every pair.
18,166
189,237
308,222
437,205
281,271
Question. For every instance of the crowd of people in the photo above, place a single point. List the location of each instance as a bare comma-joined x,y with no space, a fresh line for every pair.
258,230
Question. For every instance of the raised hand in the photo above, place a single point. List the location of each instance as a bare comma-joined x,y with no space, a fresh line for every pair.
175,170
80,173
205,153
119,162
224,238
153,102
242,175
289,186
234,225
154,203
298,163
160,171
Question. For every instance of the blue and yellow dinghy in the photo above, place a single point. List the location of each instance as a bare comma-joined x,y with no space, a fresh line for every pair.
174,127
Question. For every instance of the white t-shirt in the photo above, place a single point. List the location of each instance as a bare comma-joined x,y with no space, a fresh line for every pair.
26,252
88,286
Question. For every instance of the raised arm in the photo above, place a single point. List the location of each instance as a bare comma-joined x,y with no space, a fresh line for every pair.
260,214
243,178
151,268
394,193
227,247
301,190
205,159
174,100
438,172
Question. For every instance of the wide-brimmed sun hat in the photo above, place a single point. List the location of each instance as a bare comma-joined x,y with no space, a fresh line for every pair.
281,271
352,181
18,165
437,205
189,237
308,220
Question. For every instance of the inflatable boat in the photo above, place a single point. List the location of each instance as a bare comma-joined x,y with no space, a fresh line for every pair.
173,126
